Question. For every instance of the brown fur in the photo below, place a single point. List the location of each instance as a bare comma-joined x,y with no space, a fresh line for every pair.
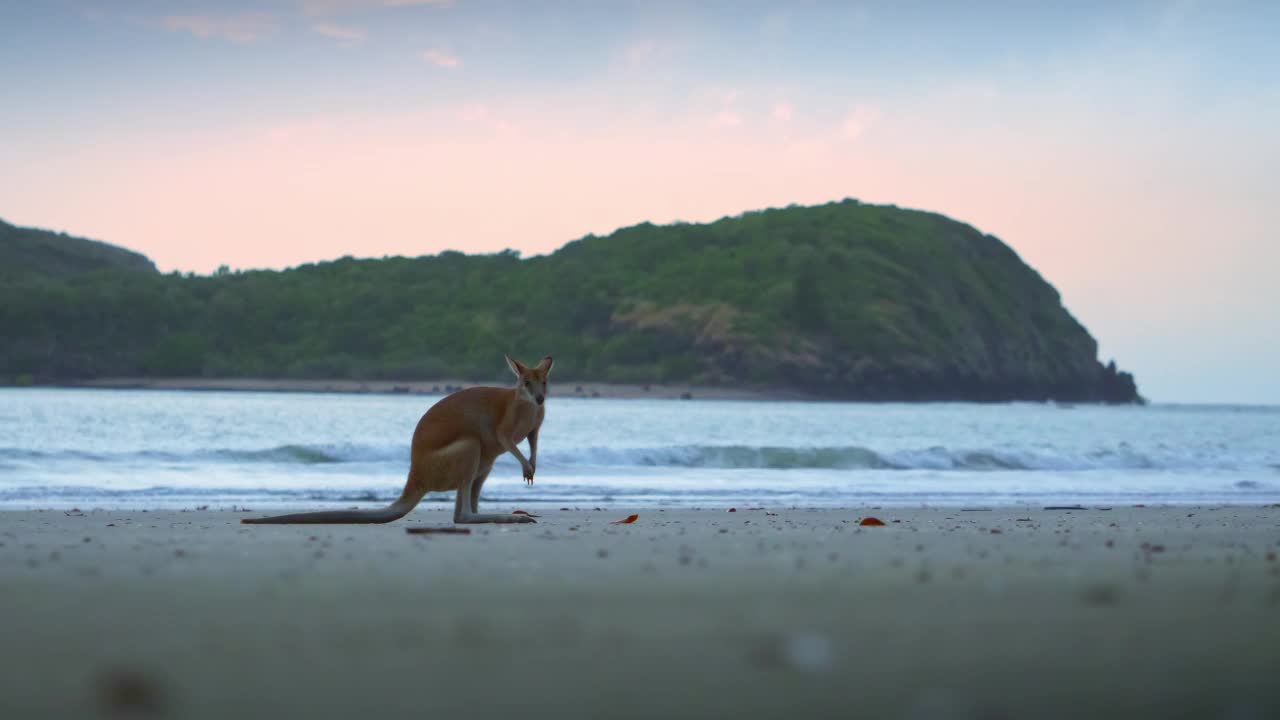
455,445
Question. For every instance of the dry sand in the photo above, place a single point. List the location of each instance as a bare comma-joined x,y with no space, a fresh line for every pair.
1132,612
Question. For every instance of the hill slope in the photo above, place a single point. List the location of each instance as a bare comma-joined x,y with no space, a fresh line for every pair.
845,300
30,252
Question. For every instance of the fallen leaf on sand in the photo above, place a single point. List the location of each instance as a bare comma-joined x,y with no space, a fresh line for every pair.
522,512
625,521
870,521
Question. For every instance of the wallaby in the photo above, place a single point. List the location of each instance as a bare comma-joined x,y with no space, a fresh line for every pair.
454,447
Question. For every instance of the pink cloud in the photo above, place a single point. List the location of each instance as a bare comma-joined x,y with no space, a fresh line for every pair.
726,119
345,36
333,7
858,122
441,58
783,112
647,53
241,28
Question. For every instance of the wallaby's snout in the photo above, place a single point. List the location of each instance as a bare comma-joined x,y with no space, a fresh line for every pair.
540,398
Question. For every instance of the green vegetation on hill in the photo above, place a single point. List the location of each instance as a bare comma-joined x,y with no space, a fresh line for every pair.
843,300
28,252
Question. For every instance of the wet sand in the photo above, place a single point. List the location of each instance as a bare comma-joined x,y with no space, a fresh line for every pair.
1010,612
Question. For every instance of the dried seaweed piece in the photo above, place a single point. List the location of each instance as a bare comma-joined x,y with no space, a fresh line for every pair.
625,521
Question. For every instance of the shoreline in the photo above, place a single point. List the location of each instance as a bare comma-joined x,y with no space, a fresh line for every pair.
1011,612
437,387
567,389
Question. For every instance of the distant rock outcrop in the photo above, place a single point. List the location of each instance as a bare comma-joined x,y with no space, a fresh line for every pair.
841,301
30,252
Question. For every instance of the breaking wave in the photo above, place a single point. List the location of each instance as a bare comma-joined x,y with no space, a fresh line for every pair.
851,457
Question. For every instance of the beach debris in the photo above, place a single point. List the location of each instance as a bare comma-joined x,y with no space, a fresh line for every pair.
870,522
438,531
626,520
770,514
996,531
1150,548
522,512
1064,507
802,651
807,651
732,510
1100,594
74,512
129,692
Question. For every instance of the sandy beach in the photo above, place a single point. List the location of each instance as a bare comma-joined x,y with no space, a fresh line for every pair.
982,613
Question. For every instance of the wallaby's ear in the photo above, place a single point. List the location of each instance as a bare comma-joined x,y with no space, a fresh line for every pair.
515,366
545,365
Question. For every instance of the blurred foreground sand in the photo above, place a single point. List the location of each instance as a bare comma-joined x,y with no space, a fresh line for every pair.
1129,612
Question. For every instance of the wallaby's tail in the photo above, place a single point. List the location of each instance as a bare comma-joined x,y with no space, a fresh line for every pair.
408,500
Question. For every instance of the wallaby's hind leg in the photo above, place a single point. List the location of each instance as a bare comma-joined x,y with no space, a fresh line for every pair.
469,495
476,485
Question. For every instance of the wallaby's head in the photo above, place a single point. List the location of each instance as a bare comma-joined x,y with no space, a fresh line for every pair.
531,382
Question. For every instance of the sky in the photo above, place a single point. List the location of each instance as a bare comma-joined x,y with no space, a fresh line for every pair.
1126,150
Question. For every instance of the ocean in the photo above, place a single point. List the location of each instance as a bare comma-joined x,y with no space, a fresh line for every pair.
137,449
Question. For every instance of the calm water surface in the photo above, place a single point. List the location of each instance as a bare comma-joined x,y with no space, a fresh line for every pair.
148,448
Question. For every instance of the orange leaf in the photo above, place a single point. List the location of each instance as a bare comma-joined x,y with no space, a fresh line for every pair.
625,521
871,521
